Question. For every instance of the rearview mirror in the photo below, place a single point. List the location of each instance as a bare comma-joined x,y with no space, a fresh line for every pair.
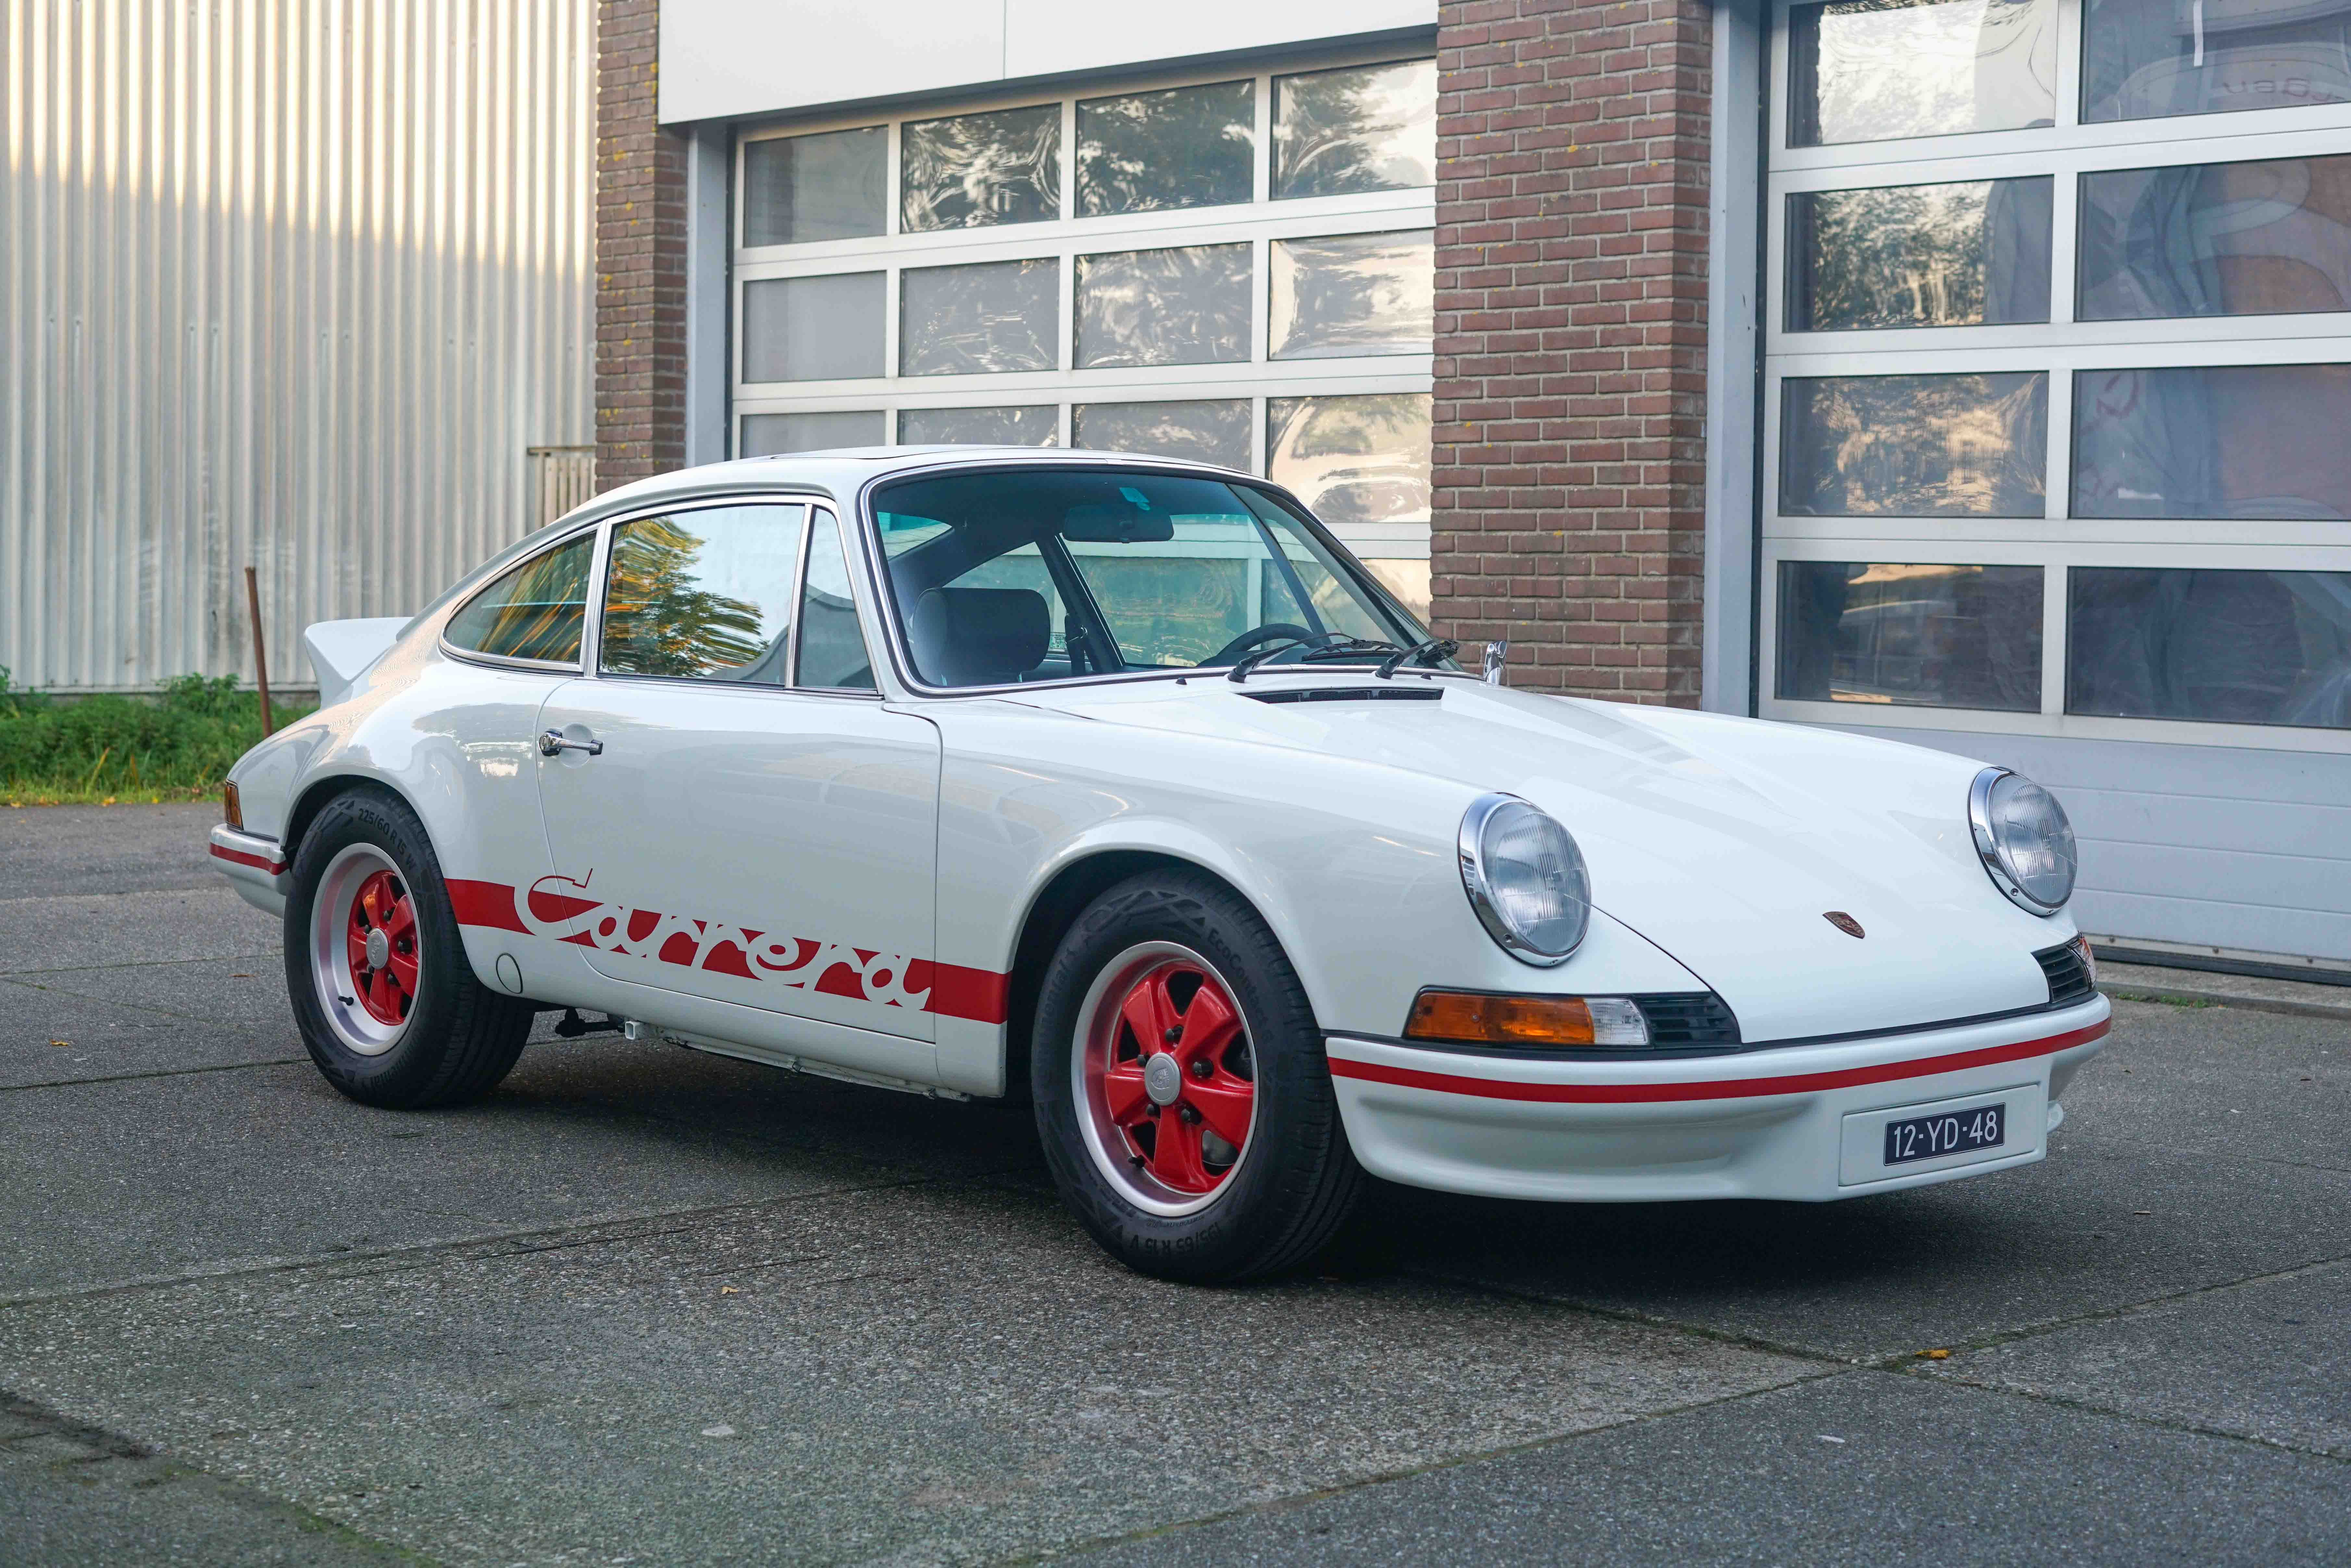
1094,524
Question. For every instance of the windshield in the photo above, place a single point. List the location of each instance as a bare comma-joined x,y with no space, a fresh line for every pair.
1010,575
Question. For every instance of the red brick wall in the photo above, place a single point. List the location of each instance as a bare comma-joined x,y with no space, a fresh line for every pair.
1573,161
639,256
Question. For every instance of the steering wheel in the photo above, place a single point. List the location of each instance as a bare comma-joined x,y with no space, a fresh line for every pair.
1267,632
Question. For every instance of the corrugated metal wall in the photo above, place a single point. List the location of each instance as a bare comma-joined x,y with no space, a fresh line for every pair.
292,282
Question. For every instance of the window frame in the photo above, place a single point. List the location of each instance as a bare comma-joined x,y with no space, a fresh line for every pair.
706,504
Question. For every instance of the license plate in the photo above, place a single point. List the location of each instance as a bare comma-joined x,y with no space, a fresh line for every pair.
1947,1132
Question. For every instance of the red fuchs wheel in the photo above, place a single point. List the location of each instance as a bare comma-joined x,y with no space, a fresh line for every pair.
365,954
381,950
1167,1082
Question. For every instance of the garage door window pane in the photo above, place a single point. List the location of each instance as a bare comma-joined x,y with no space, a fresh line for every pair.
534,612
798,189
1922,636
1149,151
999,316
1037,426
2218,239
1188,304
812,329
2229,647
2216,442
1870,70
1200,432
769,434
1968,254
979,169
1371,128
703,595
1355,461
1915,446
1352,294
2144,59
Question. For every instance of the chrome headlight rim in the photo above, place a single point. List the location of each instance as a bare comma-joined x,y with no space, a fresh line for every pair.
1481,895
1987,846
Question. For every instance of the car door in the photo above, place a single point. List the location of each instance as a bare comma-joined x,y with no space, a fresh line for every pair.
717,825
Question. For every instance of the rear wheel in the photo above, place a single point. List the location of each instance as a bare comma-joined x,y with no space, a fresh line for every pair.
386,1001
1182,1088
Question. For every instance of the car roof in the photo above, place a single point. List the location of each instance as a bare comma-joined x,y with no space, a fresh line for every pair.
840,473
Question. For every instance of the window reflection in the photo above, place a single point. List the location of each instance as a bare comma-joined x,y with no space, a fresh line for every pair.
997,315
1925,636
812,329
1941,445
773,434
2142,59
1188,304
1038,425
2216,239
1201,431
1353,460
1868,70
1352,294
1148,152
2230,647
2220,441
798,188
703,595
1371,128
1920,255
978,169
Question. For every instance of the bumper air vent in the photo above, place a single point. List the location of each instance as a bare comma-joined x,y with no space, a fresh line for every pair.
1688,1018
2068,973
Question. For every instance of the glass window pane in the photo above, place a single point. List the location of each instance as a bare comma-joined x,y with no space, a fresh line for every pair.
772,434
813,328
979,169
2146,58
702,595
2216,239
1368,128
535,611
1355,461
1924,636
832,647
1354,293
1200,432
1187,147
997,315
1036,426
2230,647
2222,441
797,189
1970,255
1869,70
1188,304
1915,446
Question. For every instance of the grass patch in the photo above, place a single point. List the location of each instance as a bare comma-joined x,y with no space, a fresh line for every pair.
176,744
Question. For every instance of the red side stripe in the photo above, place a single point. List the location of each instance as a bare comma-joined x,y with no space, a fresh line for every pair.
490,904
259,863
1711,1089
980,995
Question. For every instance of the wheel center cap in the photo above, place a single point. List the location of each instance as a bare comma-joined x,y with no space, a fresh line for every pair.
1161,1078
379,949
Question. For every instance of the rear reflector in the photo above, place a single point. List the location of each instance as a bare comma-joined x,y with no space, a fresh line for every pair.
232,810
1468,1018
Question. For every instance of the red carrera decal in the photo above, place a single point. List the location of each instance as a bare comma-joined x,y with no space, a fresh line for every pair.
556,907
259,863
1711,1088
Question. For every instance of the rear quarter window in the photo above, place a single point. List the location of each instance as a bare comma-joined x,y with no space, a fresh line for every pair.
535,611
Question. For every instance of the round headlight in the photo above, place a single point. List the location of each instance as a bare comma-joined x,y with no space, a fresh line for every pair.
1525,878
2024,840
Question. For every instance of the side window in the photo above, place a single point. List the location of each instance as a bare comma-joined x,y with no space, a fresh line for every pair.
535,611
702,595
832,648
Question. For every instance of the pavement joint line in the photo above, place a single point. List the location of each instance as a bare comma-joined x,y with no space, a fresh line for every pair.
159,1072
1388,1477
1645,1320
127,1006
19,976
2162,1423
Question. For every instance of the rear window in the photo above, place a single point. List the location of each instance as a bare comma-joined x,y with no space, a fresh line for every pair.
535,611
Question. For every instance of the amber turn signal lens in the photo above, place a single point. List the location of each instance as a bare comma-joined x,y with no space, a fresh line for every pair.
232,811
1466,1018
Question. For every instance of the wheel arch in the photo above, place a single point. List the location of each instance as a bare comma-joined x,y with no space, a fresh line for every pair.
316,793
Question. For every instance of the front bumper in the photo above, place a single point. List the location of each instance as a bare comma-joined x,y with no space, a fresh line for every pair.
254,866
1802,1122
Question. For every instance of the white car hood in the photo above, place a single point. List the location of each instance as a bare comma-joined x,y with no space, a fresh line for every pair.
1724,841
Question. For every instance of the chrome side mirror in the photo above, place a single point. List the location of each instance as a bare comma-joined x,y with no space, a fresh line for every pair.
1497,654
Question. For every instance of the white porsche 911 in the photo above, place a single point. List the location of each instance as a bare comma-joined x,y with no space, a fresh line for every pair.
1119,784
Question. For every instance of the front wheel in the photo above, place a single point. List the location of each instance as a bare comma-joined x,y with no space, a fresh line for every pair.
386,1001
1182,1088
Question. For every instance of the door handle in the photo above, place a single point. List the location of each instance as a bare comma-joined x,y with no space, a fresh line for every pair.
554,743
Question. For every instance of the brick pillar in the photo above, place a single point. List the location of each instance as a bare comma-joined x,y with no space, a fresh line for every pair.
639,256
1572,165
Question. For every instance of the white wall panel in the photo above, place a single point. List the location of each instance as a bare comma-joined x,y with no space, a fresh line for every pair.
1045,37
292,284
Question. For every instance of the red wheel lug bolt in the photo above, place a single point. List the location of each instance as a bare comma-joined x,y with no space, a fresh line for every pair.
1204,1067
1175,1033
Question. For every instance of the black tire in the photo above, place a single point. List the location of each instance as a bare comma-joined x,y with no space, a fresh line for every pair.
1296,1179
458,1038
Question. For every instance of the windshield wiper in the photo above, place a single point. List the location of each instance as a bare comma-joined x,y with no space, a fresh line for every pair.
1418,653
1351,648
1247,662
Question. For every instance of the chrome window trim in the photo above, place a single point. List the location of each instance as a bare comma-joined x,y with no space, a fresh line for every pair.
1482,897
1987,846
699,504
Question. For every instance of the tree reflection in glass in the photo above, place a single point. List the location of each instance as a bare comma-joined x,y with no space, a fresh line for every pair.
1187,305
993,316
1352,294
1916,635
1915,446
660,619
1369,128
1150,151
1870,71
1353,460
1198,430
1920,255
979,168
